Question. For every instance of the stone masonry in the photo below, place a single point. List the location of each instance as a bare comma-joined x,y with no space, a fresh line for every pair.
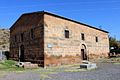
50,44
69,50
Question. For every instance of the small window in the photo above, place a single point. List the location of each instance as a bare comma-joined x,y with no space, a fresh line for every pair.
66,34
32,33
22,36
96,38
82,36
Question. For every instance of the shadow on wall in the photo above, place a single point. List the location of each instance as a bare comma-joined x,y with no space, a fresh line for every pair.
4,55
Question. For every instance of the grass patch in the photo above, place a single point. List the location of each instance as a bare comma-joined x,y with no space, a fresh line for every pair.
110,60
45,73
44,76
3,73
9,65
66,66
116,63
74,70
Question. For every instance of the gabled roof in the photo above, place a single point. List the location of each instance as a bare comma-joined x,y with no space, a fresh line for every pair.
48,13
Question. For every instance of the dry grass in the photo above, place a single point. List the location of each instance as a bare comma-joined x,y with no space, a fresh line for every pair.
109,60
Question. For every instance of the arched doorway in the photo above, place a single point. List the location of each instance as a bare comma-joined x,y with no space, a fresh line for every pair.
83,52
21,56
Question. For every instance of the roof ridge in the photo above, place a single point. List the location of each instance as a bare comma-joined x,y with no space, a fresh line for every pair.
50,13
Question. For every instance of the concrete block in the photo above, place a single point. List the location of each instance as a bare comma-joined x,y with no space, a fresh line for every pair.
88,65
31,66
27,65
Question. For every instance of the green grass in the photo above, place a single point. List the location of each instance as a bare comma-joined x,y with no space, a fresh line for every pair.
9,65
117,63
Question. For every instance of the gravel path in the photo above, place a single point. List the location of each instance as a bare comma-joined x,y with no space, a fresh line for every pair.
21,76
105,71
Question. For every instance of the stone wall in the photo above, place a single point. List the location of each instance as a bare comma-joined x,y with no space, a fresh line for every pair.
4,39
33,47
56,45
49,45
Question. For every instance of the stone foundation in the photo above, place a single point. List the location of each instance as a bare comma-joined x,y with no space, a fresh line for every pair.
54,60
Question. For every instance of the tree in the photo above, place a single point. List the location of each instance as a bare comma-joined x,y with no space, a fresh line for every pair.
114,43
118,44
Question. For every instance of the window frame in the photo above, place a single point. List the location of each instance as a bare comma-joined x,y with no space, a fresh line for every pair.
67,33
83,36
15,38
22,37
96,39
32,33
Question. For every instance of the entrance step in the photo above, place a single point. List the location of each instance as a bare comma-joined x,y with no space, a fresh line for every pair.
27,65
88,65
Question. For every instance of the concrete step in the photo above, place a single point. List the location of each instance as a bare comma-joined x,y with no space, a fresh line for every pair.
27,65
88,65
86,62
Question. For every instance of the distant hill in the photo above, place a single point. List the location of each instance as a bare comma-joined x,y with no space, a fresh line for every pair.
4,39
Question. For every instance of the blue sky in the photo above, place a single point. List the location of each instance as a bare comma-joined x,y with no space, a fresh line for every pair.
103,14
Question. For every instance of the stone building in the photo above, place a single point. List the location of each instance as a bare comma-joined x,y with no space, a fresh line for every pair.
49,39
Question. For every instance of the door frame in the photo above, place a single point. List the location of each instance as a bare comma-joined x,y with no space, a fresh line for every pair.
21,53
84,52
